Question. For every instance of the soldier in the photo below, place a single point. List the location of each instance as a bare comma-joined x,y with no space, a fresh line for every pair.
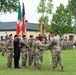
24,44
38,47
34,46
17,47
31,50
55,50
3,47
1,39
9,51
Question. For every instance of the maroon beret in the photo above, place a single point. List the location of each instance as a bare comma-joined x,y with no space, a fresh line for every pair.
10,35
39,37
31,36
51,32
23,35
36,37
55,34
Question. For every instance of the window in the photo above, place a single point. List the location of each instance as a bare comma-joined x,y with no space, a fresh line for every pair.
71,37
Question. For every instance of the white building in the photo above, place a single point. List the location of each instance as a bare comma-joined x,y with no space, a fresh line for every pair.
10,28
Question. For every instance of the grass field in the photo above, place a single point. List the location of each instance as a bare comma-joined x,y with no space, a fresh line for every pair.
68,57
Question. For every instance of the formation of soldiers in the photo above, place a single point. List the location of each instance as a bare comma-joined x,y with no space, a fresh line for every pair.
66,45
32,50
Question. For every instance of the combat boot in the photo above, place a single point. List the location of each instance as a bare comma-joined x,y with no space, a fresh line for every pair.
62,69
9,68
54,69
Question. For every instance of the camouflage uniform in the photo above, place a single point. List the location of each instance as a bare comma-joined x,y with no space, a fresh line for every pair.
30,51
55,50
3,47
34,47
9,52
24,44
38,54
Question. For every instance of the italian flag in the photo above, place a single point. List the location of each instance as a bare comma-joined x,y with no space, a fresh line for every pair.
19,21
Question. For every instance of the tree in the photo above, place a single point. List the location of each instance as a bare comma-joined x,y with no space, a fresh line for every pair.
49,7
8,5
41,8
62,20
45,8
74,29
72,5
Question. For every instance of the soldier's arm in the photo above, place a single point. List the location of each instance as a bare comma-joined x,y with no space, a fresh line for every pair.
12,44
34,46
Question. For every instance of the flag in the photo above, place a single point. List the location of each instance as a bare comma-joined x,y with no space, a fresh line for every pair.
42,29
19,21
23,20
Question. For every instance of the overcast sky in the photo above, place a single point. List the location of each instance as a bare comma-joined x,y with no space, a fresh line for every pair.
30,11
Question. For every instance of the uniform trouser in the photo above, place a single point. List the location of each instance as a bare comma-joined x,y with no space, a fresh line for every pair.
35,60
9,60
3,51
24,59
30,61
55,60
16,59
38,61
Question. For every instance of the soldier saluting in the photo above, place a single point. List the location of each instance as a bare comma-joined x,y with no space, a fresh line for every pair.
16,51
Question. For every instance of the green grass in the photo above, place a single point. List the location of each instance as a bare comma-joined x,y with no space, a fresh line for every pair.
69,61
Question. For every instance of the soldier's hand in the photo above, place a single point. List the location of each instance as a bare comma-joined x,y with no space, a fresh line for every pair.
41,44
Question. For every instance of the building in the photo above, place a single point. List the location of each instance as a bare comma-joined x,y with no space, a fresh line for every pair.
70,37
10,27
32,28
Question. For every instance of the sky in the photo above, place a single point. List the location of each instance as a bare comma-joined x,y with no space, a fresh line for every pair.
30,11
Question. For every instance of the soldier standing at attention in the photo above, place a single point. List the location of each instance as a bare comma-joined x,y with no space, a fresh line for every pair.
24,44
16,51
31,50
9,51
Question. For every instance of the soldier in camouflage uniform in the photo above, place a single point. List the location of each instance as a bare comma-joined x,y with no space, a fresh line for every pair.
34,47
38,49
24,44
3,47
55,50
1,39
31,50
9,51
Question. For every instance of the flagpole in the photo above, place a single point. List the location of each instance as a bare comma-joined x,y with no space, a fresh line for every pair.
44,31
49,57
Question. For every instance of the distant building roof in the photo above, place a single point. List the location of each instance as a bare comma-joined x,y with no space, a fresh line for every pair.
11,26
